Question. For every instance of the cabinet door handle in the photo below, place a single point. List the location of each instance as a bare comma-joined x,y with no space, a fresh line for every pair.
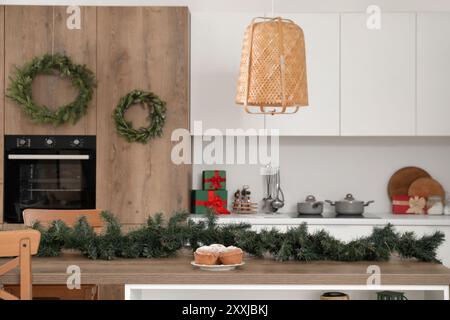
48,156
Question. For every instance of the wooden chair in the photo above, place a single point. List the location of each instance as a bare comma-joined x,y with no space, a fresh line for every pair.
69,217
21,244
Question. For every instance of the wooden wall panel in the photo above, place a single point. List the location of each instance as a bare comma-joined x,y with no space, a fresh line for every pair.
146,48
1,204
2,103
28,33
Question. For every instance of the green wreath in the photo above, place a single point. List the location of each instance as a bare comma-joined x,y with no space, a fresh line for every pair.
81,77
157,116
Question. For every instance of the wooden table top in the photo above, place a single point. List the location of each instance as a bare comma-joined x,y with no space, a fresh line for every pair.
178,270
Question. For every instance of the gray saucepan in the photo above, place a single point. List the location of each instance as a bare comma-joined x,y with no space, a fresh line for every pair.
349,206
310,206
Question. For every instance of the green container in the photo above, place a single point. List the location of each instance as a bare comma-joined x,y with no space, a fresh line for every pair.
213,199
214,180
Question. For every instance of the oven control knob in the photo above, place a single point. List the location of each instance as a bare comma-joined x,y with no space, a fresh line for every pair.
76,142
49,142
21,142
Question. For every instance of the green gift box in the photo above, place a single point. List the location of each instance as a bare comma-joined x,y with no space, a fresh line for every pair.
214,180
215,200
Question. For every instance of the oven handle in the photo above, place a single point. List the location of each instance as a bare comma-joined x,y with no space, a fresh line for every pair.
48,156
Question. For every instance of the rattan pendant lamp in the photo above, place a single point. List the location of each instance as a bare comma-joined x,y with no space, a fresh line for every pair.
273,68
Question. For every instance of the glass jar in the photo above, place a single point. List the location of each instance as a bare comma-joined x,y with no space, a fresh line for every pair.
447,204
435,205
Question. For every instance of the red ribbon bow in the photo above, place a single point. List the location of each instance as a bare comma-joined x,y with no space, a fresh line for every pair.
216,180
215,202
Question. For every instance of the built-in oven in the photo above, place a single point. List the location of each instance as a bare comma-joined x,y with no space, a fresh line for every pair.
48,172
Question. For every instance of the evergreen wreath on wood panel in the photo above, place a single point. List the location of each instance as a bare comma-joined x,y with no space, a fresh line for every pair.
158,239
81,77
157,116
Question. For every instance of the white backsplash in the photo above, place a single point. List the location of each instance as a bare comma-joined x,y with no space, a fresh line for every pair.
331,167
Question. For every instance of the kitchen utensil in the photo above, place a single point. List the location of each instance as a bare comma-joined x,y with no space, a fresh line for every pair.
349,206
310,206
267,200
402,179
217,267
426,187
278,202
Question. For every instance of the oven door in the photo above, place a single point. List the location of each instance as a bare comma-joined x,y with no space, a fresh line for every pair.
44,180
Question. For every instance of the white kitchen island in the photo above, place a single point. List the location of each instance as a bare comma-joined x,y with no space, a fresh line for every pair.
307,288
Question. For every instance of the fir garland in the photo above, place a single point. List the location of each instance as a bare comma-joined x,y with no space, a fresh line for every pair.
159,239
157,116
81,77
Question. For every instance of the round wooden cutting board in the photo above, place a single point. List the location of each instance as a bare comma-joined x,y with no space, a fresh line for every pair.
401,180
426,187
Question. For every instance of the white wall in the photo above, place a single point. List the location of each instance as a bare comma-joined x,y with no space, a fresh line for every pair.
332,167
262,5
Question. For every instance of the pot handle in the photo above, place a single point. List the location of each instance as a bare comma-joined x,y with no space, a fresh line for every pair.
330,202
368,202
317,204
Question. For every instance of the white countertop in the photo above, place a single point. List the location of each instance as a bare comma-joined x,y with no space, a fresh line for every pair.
371,219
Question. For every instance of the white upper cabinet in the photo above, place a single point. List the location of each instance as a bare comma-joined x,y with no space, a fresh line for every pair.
433,74
388,82
216,45
321,117
378,93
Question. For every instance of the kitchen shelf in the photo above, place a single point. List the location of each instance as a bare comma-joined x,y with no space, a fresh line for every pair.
286,219
275,292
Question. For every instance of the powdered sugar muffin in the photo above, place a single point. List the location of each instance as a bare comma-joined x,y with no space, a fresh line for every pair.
217,247
231,255
207,256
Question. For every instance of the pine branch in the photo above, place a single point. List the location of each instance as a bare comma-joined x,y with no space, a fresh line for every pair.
158,239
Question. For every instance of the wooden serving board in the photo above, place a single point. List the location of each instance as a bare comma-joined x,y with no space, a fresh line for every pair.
402,179
426,187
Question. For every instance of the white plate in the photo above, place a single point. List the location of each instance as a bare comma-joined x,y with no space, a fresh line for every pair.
217,267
